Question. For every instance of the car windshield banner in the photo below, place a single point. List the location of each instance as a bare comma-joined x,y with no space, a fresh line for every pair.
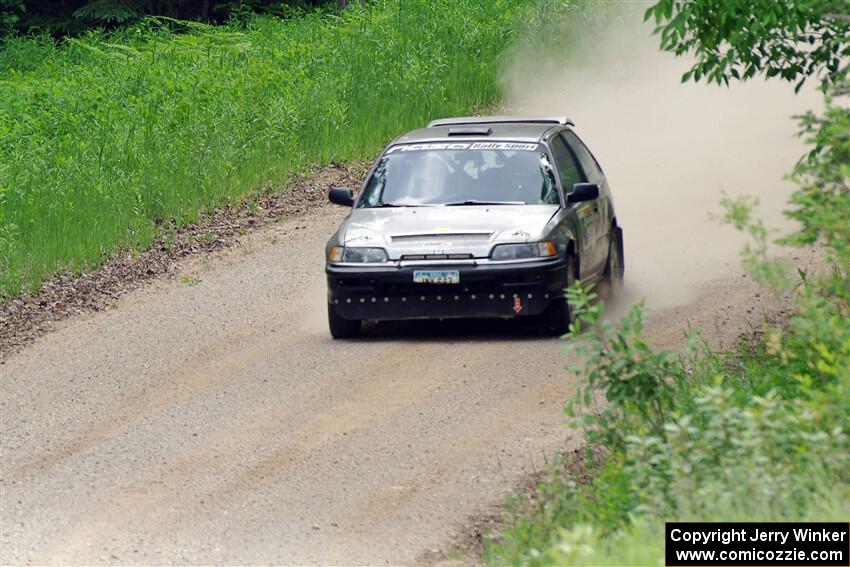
504,146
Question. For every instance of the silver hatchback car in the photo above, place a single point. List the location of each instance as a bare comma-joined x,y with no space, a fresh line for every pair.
473,217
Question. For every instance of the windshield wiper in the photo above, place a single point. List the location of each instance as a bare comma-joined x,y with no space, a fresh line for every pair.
477,202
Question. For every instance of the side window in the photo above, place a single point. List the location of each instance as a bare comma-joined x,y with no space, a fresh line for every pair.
567,168
588,162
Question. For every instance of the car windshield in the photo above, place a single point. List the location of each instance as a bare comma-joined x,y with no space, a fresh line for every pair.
446,174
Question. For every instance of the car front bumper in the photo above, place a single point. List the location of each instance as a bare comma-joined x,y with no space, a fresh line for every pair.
485,290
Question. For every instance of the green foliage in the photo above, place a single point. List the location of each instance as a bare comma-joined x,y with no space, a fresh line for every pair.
10,14
738,39
107,138
562,501
108,11
822,202
638,382
703,463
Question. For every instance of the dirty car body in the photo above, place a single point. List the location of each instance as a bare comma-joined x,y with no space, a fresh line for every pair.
473,217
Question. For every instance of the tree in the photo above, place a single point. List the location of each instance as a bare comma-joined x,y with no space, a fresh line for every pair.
737,39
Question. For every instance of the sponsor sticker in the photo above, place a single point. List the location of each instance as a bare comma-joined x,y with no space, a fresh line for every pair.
508,146
503,146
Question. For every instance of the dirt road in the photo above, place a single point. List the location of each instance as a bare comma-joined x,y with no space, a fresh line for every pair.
211,419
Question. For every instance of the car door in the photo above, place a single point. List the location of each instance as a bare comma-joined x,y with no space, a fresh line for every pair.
570,173
600,213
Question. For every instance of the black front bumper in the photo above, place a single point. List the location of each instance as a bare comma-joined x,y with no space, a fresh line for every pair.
500,291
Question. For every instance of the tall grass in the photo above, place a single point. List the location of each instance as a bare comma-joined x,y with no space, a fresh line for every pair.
106,137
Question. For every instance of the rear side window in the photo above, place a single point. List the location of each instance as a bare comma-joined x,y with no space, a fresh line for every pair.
567,168
588,162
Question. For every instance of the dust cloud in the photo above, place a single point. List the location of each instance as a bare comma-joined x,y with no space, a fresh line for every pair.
670,150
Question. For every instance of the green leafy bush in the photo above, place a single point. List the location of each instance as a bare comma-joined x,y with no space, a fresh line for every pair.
637,381
771,455
562,501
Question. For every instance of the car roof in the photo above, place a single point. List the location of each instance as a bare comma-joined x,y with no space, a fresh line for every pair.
514,128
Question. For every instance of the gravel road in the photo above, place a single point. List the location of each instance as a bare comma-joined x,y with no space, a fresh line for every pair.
209,418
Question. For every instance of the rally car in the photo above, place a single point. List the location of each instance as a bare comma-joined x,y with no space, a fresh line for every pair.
473,217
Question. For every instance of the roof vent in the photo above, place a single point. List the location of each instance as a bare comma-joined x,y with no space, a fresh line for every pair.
470,131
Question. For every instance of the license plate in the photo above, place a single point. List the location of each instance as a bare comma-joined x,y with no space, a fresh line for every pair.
440,277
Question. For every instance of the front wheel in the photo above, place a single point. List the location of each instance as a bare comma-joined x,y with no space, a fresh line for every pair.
558,316
340,327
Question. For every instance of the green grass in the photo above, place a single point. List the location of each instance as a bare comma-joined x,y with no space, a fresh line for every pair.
106,138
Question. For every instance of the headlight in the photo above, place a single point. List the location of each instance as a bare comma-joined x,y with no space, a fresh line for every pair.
357,255
522,251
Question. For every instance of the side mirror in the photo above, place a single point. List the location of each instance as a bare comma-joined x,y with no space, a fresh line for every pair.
341,196
583,192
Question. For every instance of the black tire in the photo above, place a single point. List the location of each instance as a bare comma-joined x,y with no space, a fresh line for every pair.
615,265
340,327
558,316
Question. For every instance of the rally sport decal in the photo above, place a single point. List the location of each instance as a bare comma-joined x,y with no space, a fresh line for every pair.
514,146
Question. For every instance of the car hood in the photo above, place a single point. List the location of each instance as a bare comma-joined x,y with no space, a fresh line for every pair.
462,230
